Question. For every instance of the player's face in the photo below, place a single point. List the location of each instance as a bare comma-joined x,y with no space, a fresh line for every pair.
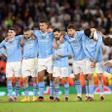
43,27
93,30
93,34
71,32
27,34
11,34
57,35
50,29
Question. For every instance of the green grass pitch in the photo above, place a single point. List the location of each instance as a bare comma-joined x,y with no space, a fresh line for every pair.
71,106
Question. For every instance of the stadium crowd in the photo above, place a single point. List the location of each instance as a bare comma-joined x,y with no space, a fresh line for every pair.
22,13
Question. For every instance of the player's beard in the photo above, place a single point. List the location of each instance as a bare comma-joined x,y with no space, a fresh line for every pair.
27,38
57,38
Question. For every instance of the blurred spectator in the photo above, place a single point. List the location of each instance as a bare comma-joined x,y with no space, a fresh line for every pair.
22,13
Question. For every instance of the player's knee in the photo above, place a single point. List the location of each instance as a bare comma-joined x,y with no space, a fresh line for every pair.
65,80
90,77
77,77
57,80
9,79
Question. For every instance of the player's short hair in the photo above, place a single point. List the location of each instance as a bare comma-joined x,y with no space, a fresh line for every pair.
26,29
107,41
44,21
87,32
56,30
71,26
12,28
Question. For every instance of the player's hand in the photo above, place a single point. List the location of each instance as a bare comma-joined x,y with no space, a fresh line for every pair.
108,64
22,42
55,45
93,29
61,39
33,36
93,64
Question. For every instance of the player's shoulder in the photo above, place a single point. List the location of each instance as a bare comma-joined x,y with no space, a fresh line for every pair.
4,41
18,36
66,42
66,37
81,32
36,31
50,33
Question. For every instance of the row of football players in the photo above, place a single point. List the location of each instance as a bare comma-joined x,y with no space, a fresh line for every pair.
35,51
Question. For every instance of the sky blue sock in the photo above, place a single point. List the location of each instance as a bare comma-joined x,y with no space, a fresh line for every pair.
51,88
9,88
78,87
87,87
41,86
35,89
66,87
26,91
17,88
91,90
57,87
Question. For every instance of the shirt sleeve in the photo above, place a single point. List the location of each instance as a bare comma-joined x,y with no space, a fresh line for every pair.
98,46
2,44
36,33
69,49
19,37
79,34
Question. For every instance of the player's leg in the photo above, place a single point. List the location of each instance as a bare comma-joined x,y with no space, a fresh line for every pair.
86,87
99,69
91,87
51,80
34,76
49,66
66,88
35,87
9,75
41,74
89,81
25,74
64,75
26,90
17,74
78,88
41,85
56,76
57,88
101,86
